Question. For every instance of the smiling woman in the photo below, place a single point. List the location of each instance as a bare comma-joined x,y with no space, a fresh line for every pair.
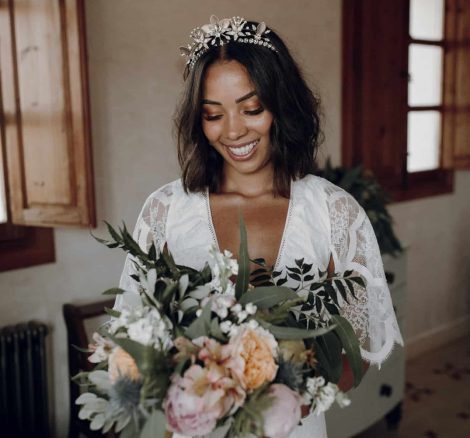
248,132
237,127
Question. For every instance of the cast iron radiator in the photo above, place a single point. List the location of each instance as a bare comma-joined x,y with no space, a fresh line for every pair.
23,381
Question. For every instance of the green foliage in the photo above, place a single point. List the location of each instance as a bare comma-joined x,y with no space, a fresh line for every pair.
363,186
290,333
200,326
248,419
350,344
328,352
243,276
266,297
155,426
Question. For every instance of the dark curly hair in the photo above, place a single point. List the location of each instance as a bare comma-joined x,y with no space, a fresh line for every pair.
295,132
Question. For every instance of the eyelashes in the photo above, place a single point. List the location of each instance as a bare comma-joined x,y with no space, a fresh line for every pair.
250,113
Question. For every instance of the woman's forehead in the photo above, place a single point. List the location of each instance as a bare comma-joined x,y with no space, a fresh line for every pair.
227,81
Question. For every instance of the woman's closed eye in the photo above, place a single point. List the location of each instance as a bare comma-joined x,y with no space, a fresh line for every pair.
254,112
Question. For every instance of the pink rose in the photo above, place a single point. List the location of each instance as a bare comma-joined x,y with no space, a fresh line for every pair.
284,414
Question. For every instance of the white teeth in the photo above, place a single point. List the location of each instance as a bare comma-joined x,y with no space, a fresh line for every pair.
245,150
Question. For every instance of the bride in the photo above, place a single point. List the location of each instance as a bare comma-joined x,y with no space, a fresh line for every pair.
248,132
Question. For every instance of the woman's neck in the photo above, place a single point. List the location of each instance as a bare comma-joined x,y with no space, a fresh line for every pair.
248,185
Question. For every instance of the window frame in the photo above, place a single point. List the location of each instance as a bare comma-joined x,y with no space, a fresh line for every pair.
401,184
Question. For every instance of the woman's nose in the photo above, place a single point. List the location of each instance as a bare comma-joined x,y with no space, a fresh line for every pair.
235,127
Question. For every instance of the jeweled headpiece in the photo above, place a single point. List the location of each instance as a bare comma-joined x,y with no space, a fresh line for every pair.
220,32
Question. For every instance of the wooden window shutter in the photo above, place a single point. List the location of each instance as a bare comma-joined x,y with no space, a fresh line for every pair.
456,128
46,112
375,95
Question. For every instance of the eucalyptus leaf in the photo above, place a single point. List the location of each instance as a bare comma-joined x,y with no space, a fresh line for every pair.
112,312
188,303
200,292
130,431
114,291
100,378
200,326
155,426
293,332
266,297
183,284
328,353
216,332
350,344
243,276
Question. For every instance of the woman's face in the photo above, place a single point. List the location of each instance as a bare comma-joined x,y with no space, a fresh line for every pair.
233,118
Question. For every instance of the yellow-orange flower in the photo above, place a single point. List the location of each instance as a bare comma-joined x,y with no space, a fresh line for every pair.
252,362
121,364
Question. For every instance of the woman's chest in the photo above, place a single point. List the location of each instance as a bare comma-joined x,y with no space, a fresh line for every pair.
265,221
279,233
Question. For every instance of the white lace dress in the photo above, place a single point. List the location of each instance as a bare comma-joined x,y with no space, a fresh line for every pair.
322,220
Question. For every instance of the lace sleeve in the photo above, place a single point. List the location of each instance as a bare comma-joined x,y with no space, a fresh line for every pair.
354,247
150,227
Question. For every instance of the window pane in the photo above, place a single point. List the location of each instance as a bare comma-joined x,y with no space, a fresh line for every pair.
425,66
427,19
424,139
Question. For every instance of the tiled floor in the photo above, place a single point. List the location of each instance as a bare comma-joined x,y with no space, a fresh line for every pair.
437,400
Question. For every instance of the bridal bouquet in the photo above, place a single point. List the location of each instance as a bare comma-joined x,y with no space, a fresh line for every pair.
204,354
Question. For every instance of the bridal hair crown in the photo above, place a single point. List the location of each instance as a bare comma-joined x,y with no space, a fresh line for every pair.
220,32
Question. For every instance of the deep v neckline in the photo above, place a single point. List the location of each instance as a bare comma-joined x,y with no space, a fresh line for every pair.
215,240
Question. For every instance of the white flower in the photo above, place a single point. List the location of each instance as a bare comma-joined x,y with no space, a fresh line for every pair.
323,395
225,326
314,383
253,324
342,399
242,316
219,304
101,348
250,308
146,326
236,309
198,312
223,266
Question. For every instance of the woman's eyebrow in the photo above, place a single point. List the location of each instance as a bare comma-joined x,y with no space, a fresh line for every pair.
240,99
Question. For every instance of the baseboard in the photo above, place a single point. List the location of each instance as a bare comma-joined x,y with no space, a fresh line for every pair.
437,337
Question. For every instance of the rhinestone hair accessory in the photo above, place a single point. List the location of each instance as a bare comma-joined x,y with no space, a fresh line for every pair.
220,32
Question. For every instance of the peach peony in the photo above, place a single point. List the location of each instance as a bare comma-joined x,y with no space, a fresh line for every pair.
121,364
253,351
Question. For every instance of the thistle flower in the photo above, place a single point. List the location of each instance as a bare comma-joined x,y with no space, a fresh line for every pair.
290,374
124,395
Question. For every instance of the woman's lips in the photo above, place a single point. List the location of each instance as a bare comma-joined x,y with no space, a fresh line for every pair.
242,152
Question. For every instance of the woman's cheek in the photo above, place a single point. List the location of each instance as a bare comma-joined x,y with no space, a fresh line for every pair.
211,131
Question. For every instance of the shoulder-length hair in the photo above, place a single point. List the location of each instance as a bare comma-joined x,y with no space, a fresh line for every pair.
295,132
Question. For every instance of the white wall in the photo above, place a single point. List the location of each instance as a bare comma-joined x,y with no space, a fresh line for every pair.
135,79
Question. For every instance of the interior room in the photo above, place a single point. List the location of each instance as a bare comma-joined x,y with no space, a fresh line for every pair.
88,94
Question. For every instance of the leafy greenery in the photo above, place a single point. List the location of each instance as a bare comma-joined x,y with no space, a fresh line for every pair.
370,195
308,313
